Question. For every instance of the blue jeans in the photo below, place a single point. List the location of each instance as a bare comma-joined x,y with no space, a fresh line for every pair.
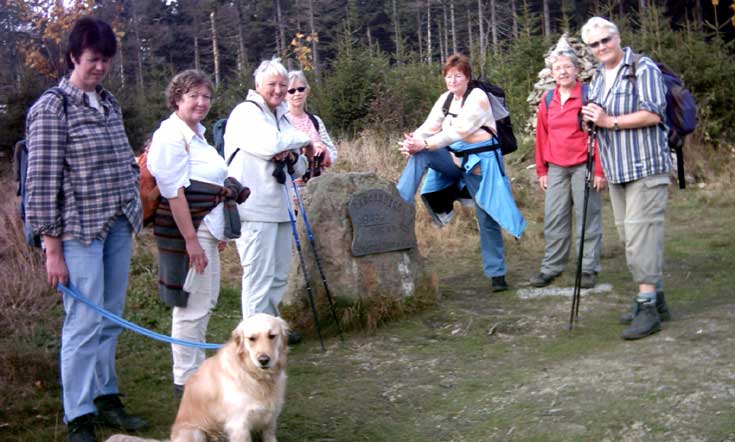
99,271
491,238
410,180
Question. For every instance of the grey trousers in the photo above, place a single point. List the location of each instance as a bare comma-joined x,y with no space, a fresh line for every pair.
638,208
565,188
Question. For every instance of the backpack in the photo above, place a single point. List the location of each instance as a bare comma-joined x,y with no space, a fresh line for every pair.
218,135
506,140
150,195
20,169
550,96
681,111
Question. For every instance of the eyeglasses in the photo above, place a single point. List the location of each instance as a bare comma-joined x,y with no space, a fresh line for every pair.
602,41
294,89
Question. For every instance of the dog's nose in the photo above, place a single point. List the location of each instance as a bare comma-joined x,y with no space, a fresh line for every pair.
264,360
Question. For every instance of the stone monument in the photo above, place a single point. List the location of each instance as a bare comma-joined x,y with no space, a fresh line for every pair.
366,243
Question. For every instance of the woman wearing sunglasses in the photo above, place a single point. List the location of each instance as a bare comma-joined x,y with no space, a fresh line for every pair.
458,145
325,154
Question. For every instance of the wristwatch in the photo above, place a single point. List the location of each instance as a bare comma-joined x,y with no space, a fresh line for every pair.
616,127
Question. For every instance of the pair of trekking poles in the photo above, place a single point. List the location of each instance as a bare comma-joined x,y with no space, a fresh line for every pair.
588,182
309,233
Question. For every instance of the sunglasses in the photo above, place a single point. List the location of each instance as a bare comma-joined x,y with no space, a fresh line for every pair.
294,89
603,41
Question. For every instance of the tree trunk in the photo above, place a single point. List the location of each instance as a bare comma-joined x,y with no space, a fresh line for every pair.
314,42
397,33
428,32
369,40
442,54
280,41
482,37
642,7
281,35
122,63
547,19
242,54
139,51
494,26
454,29
469,30
419,30
446,30
514,15
215,49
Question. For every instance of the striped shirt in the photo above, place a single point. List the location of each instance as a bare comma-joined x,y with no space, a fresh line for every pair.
81,169
631,154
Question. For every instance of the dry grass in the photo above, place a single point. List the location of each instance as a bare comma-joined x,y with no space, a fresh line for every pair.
26,297
29,315
377,152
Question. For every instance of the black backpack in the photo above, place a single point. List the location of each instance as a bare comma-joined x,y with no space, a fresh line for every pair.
506,139
20,169
218,135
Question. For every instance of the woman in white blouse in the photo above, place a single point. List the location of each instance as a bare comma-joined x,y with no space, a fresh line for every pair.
308,123
458,145
180,156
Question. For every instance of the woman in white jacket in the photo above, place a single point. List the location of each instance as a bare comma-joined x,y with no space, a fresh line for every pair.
262,146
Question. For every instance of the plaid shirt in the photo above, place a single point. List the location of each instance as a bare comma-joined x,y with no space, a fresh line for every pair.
81,169
631,154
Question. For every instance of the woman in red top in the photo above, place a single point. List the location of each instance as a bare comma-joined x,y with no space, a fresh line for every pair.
561,155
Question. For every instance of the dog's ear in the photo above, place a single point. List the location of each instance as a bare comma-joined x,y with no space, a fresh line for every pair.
283,332
238,337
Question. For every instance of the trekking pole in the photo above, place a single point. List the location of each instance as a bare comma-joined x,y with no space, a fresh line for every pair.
316,258
303,268
588,177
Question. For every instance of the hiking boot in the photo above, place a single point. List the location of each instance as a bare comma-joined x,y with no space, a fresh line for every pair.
81,429
294,337
663,310
646,322
588,280
542,279
498,284
111,413
178,391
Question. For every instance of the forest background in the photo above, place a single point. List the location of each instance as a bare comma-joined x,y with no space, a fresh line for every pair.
373,64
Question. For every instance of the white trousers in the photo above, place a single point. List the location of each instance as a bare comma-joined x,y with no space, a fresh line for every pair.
265,255
190,322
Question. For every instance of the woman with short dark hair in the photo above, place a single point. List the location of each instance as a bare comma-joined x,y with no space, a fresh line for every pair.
460,148
82,198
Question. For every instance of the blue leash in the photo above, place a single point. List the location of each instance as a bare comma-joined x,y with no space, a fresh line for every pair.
70,291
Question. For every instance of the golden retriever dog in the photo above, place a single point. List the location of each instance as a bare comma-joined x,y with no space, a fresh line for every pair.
240,389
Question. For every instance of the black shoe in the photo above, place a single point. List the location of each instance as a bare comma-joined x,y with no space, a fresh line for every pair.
542,279
588,280
111,413
646,322
498,283
81,429
294,337
663,310
178,391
